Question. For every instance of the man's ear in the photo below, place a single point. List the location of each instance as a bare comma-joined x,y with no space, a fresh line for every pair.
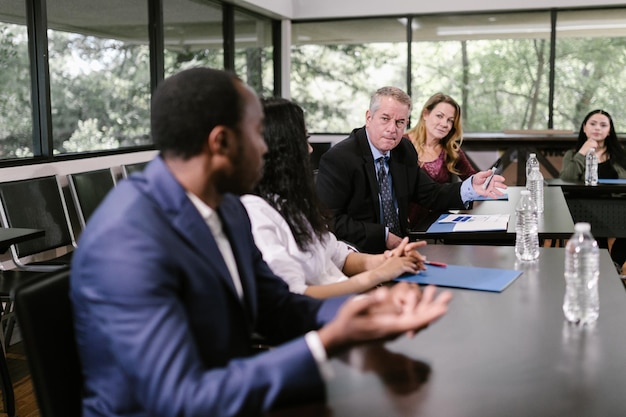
220,140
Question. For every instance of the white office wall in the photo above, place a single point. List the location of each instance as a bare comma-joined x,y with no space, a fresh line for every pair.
62,168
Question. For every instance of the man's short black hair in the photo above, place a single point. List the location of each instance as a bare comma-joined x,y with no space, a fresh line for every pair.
187,106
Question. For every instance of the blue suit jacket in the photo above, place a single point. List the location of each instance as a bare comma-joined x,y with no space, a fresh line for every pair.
160,328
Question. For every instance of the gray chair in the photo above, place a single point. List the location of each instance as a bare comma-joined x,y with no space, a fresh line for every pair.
44,314
38,203
88,189
128,169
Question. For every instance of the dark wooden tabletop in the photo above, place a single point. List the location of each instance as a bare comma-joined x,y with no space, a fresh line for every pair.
493,354
11,235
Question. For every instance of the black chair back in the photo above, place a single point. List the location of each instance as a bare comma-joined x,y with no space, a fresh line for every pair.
130,168
88,190
36,203
44,314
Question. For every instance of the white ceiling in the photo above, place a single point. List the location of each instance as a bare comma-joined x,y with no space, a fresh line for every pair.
317,9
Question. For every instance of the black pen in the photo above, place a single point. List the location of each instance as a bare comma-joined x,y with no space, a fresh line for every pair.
493,172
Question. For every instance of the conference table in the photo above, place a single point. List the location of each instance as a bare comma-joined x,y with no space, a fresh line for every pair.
602,205
12,235
554,223
493,354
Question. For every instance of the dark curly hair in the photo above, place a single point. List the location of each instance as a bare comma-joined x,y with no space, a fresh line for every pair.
287,183
614,148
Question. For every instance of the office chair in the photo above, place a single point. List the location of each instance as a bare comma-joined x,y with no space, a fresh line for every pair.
38,203
88,189
128,169
44,314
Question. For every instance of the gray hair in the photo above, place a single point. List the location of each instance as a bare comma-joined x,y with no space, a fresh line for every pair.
393,92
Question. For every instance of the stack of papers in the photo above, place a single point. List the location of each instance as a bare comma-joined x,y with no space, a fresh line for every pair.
469,223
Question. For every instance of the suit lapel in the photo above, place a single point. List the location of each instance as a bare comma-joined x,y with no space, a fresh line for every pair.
162,187
370,170
399,175
237,227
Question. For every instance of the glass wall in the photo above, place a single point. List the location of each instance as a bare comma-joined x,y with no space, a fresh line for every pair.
192,34
16,131
336,66
99,74
495,65
591,66
254,52
95,59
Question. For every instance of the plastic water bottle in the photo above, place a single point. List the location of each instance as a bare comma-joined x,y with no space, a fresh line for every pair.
526,236
531,162
591,167
581,304
534,184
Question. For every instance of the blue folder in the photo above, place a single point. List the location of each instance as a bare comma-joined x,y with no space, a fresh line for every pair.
503,197
468,277
611,181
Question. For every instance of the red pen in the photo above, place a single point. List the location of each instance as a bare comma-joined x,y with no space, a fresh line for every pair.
432,263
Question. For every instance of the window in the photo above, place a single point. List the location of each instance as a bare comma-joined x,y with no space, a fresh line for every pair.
193,35
336,67
99,74
16,132
496,66
591,66
254,52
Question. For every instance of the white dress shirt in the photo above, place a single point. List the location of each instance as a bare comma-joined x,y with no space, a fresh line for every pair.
321,263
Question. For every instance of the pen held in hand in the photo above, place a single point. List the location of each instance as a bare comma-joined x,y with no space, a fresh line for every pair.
489,178
433,263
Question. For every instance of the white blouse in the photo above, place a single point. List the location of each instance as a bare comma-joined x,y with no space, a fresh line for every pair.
320,264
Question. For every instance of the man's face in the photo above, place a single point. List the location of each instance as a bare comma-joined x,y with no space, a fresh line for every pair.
386,126
247,161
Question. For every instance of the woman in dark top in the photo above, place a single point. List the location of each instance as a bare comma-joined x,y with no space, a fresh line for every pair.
437,138
597,131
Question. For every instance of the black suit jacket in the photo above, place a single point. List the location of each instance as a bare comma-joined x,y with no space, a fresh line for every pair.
347,185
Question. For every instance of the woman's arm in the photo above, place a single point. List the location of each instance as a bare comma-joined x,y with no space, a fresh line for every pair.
392,267
367,271
573,166
464,166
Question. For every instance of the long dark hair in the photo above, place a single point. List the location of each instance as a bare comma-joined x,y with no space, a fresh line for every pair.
287,183
615,149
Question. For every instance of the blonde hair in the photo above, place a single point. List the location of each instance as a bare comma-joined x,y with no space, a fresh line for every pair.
451,143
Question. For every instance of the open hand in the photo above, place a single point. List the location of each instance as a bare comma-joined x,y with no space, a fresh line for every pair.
384,314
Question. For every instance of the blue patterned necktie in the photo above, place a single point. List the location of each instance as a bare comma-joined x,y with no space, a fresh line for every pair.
389,211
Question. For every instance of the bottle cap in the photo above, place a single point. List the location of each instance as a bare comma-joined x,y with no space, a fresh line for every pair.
582,227
532,155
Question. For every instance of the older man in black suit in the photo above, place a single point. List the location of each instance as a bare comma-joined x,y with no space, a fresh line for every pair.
368,179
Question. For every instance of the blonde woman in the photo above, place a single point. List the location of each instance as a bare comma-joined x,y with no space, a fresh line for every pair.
437,138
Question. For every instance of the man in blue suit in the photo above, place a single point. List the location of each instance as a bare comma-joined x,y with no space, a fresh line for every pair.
168,287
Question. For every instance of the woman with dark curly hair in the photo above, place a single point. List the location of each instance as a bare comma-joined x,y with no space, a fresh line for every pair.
290,228
597,131
437,139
